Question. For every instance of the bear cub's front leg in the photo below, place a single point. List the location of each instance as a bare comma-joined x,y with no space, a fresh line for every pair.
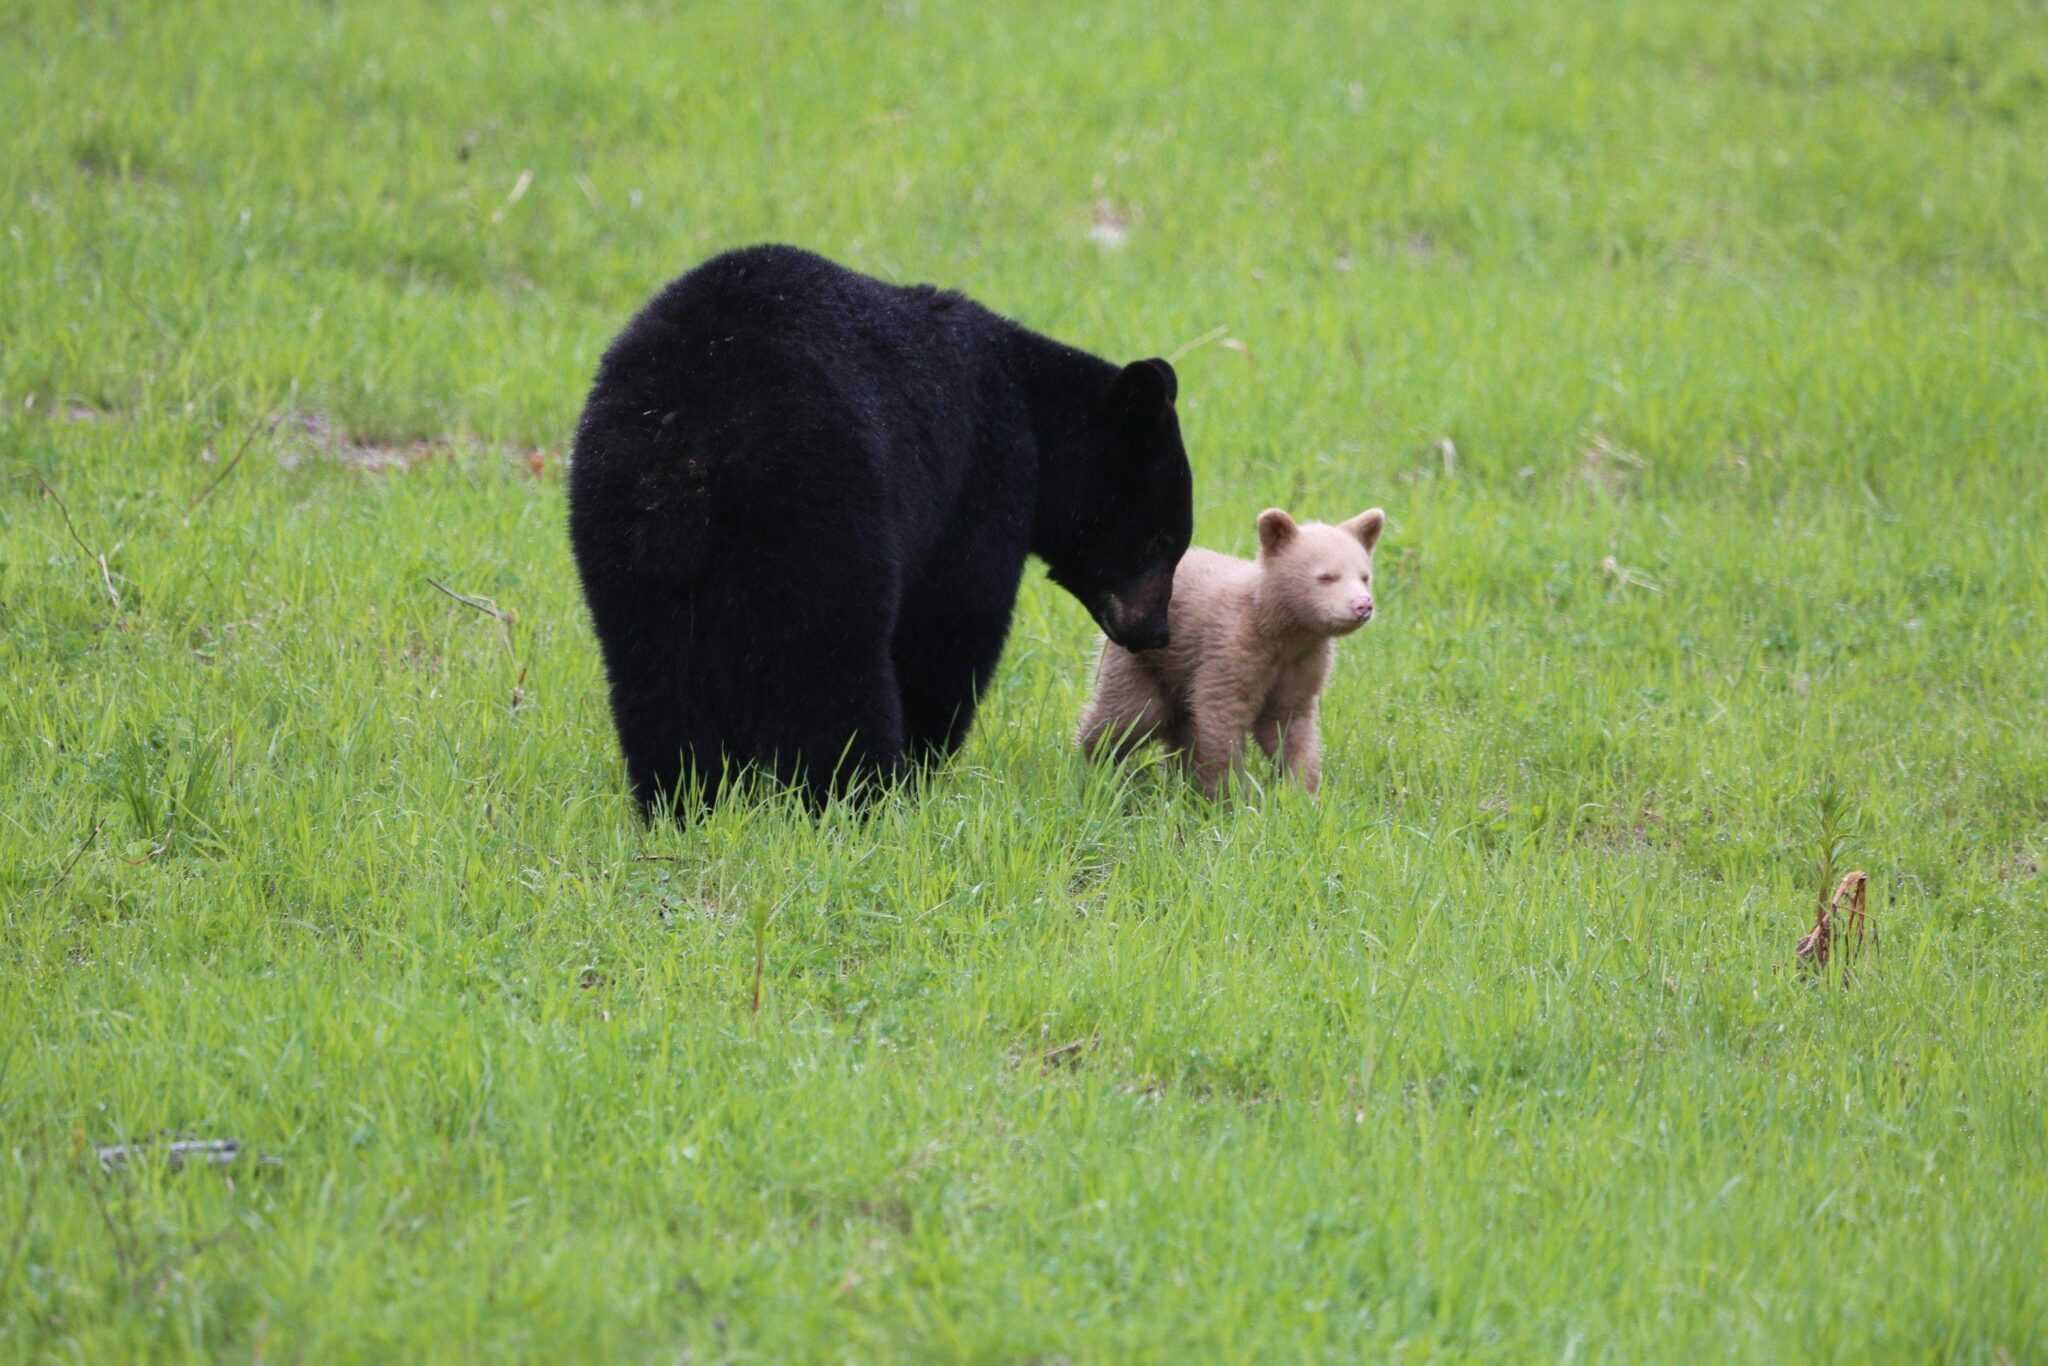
1221,715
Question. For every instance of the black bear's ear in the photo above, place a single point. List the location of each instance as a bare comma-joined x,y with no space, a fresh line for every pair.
1143,390
1166,376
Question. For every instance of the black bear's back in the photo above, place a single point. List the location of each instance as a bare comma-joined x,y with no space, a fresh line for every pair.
782,323
771,383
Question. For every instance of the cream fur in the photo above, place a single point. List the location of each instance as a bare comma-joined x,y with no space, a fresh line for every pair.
1252,644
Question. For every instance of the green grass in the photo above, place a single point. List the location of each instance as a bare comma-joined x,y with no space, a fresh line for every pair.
1494,1052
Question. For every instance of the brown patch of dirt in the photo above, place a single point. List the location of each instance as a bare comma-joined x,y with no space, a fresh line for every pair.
304,436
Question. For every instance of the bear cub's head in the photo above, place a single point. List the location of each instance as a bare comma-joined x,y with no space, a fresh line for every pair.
1316,579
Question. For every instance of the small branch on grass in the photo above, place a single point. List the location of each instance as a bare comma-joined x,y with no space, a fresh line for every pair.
487,607
504,620
229,468
76,855
218,1151
210,1152
106,575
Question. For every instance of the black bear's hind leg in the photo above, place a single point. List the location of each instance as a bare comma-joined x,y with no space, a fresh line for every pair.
654,766
671,768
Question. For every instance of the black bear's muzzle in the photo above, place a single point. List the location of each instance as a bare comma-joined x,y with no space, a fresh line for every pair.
1135,616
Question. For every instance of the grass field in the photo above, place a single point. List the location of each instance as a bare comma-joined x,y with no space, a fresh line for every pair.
1735,318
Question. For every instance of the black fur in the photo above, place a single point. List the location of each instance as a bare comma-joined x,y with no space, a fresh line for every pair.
800,504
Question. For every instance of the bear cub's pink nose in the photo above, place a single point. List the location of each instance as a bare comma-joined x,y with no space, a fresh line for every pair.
1361,607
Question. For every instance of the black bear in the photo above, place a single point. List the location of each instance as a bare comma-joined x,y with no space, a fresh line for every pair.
800,502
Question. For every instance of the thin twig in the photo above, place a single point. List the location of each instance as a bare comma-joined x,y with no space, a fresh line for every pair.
216,1152
58,498
488,608
76,855
229,468
106,576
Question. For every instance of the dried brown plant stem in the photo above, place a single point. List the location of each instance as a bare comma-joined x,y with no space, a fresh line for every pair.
1839,924
76,855
504,620
488,608
229,468
106,575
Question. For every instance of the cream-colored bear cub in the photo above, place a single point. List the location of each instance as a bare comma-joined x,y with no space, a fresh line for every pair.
1251,644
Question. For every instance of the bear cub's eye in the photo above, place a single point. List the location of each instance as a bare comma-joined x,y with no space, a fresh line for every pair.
1326,578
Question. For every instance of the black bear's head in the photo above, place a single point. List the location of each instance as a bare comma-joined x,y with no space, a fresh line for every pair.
1124,507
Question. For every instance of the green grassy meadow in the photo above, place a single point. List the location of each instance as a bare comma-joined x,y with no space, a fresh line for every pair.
1735,319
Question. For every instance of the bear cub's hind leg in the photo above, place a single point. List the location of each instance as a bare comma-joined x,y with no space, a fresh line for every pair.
1128,708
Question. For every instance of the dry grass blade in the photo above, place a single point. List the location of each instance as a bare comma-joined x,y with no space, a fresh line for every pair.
519,189
1610,468
1626,577
1218,335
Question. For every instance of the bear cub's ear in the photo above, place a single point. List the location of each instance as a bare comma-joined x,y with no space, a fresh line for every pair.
1366,526
1142,391
1276,529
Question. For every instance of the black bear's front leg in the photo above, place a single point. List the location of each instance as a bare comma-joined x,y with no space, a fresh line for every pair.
850,746
943,664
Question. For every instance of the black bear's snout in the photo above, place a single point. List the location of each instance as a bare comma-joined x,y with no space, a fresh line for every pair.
1135,616
1150,637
